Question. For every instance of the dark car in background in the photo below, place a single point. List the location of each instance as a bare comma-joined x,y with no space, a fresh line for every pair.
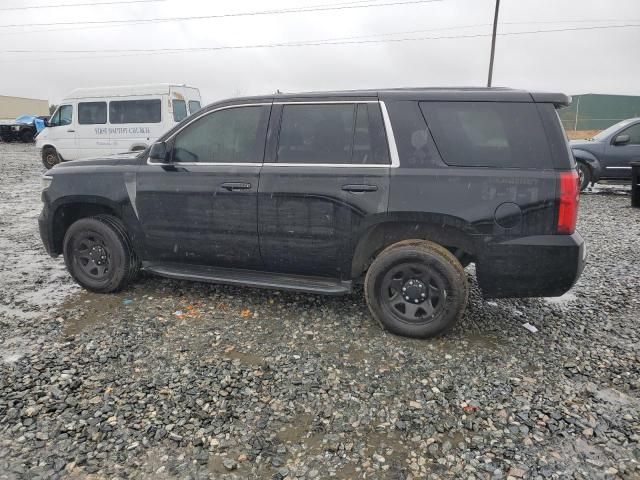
23,129
607,156
316,192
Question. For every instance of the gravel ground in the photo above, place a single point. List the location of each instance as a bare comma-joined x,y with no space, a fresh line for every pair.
184,380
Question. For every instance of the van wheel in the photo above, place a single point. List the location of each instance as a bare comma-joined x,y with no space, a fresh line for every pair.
416,288
50,157
584,174
99,255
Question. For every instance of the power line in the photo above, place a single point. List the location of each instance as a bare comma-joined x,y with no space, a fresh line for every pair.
316,8
313,43
65,5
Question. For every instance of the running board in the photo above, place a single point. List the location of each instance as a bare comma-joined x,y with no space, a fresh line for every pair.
249,278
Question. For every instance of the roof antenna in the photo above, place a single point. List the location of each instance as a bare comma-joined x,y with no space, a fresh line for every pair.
278,92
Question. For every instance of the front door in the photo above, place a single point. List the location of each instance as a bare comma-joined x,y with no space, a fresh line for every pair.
617,157
327,178
201,208
62,132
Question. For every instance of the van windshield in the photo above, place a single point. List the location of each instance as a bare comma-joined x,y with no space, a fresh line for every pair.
179,110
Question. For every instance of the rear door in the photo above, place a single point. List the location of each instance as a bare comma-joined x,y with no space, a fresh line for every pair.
327,178
617,157
92,132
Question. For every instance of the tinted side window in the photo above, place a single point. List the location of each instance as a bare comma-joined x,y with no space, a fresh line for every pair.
179,110
234,135
66,114
488,134
634,134
134,111
413,139
90,113
332,134
194,106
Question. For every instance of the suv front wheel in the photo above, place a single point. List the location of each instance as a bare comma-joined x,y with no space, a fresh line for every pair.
416,288
99,255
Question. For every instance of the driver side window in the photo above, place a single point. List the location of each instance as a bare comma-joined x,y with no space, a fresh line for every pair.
232,135
634,134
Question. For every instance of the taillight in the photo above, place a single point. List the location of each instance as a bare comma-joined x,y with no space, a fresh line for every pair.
568,202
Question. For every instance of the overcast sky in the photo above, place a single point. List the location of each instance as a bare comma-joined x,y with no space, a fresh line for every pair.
603,60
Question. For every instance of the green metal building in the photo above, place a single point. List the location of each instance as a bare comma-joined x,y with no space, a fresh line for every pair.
593,111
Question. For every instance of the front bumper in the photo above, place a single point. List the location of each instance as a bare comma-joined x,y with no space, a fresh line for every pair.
46,233
538,266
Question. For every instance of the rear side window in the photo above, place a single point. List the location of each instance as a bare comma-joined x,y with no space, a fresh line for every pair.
488,134
92,113
194,106
179,110
339,134
134,111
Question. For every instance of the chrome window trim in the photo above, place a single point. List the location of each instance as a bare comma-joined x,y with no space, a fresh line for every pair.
391,141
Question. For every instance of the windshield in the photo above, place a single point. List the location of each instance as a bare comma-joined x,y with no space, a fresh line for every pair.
613,128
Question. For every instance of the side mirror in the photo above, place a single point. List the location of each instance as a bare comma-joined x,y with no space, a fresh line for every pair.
158,152
621,140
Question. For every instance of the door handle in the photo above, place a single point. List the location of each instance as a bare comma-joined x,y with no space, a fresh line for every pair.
71,130
230,186
359,188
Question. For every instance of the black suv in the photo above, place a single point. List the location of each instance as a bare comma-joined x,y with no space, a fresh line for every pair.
314,192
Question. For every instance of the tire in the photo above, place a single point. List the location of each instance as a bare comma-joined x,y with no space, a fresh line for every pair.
50,157
584,172
99,255
431,274
26,136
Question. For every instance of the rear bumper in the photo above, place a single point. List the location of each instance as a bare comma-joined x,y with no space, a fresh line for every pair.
538,266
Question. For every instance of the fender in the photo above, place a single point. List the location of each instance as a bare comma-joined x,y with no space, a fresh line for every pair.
591,160
452,232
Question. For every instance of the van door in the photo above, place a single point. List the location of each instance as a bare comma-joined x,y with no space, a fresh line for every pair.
92,132
134,123
327,179
62,132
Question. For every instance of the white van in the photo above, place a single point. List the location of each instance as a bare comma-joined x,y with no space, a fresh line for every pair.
91,122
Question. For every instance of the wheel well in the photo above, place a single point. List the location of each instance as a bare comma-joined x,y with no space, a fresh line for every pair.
66,214
384,235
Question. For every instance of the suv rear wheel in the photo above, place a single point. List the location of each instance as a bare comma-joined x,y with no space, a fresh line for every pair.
50,157
99,255
416,288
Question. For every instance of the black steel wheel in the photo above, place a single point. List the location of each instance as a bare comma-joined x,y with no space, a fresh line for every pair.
99,254
416,288
50,157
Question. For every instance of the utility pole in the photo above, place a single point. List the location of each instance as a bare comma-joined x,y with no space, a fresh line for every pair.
493,42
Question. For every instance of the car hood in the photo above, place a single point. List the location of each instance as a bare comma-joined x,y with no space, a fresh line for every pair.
128,158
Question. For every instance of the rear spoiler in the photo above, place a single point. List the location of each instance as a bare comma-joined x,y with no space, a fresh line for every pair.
559,100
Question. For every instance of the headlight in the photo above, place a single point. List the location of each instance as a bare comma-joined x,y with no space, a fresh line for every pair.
46,181
15,127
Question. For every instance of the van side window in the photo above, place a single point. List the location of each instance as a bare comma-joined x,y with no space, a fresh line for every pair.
194,106
92,113
329,134
488,134
135,111
179,110
232,135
